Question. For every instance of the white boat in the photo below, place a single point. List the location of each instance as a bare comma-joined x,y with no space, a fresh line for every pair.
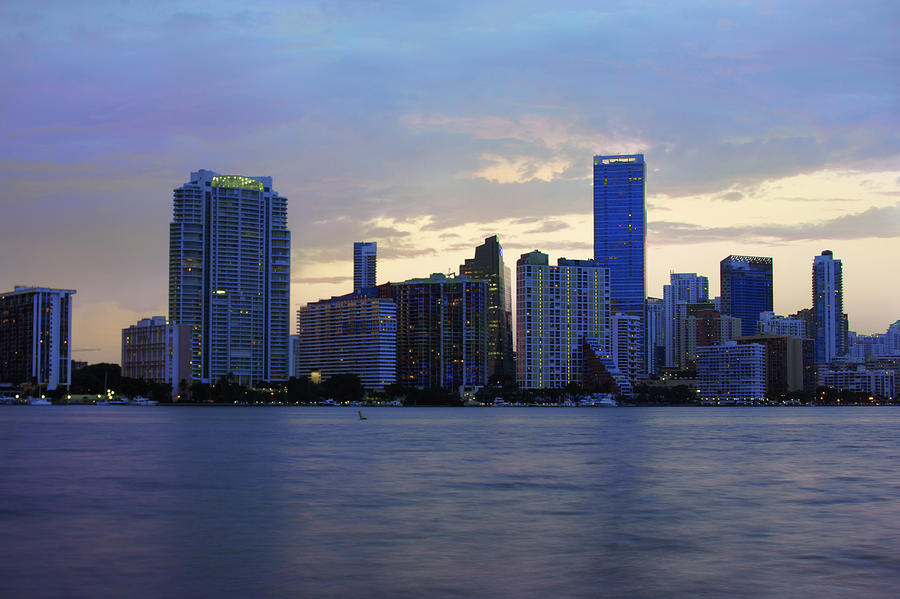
38,401
142,401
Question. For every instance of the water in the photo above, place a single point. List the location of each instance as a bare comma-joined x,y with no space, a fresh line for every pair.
313,502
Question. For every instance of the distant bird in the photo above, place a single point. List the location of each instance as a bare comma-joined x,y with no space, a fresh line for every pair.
361,417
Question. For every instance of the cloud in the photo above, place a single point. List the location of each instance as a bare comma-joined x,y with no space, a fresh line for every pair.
321,280
731,196
875,222
549,226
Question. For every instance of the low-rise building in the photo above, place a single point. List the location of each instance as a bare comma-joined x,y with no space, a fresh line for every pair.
728,371
157,350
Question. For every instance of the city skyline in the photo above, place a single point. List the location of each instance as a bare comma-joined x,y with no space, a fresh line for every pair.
767,130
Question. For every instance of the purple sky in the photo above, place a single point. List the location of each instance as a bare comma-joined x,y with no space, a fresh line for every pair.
769,128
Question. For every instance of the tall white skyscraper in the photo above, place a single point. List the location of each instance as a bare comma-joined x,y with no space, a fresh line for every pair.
229,276
364,264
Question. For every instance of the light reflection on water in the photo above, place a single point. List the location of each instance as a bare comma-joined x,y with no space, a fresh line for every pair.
231,502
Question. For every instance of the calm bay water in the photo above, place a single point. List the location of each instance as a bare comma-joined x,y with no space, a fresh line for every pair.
312,502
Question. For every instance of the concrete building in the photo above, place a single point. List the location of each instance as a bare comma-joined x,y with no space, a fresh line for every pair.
684,289
859,379
728,372
558,307
364,263
656,335
703,326
156,350
442,332
488,265
35,336
229,276
829,328
349,334
789,363
770,323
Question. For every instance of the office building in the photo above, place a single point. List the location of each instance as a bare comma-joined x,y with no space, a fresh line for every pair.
731,372
442,332
829,330
364,264
488,265
557,308
789,364
35,336
746,289
349,334
156,350
229,276
620,234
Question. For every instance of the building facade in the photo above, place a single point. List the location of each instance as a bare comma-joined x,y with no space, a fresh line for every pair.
731,372
35,336
442,332
350,334
828,307
229,276
364,262
488,265
746,289
683,289
557,308
772,324
156,350
789,363
620,233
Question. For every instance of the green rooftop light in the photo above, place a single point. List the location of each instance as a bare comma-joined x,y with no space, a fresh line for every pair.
237,182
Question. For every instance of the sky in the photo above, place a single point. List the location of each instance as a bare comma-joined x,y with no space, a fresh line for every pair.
768,128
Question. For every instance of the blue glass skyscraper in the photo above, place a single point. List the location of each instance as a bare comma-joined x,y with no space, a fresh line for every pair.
746,289
620,235
620,228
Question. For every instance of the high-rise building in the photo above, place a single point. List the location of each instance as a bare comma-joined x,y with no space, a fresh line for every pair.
349,334
828,307
557,309
620,234
156,350
229,276
35,336
728,372
364,264
442,333
746,289
774,324
488,266
656,334
788,363
683,289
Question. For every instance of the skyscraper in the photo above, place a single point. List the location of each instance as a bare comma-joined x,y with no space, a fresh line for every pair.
620,228
828,307
35,336
558,309
620,234
746,289
229,276
364,264
488,265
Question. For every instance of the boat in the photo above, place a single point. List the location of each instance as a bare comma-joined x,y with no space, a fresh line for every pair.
142,401
38,401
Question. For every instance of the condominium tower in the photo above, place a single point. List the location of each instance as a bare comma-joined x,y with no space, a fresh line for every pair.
828,307
364,264
229,276
35,336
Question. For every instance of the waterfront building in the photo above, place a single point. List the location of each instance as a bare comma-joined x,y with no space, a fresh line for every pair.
770,323
829,327
746,289
626,344
859,379
558,307
364,264
620,233
35,336
488,265
229,276
728,371
656,335
349,334
156,350
683,289
442,332
789,363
